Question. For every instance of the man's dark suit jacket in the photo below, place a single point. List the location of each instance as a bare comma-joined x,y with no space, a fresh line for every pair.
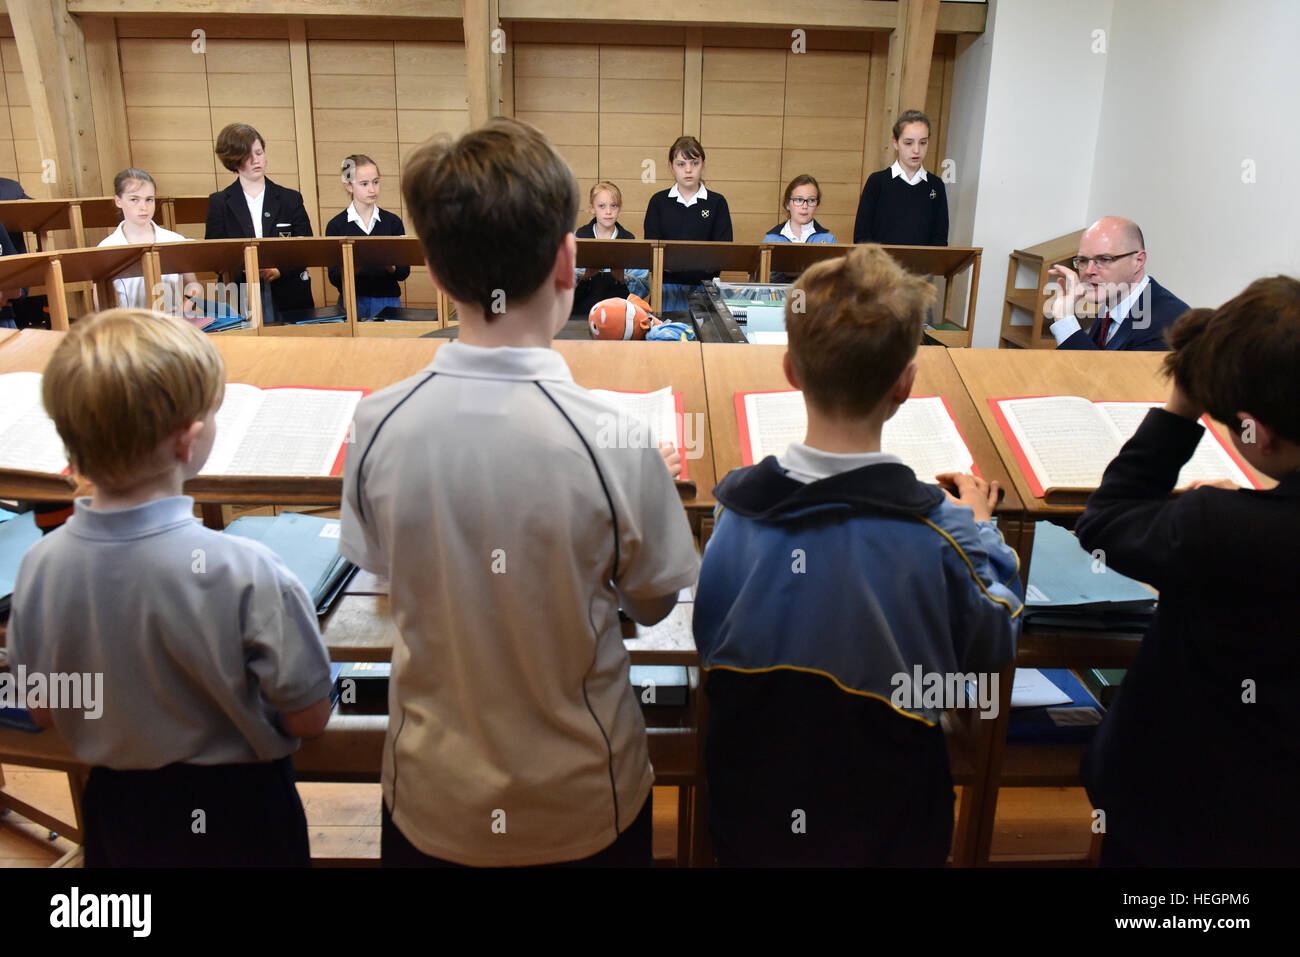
1197,762
12,189
1157,303
282,213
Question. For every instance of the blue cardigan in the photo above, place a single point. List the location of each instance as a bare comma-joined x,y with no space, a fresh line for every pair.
820,234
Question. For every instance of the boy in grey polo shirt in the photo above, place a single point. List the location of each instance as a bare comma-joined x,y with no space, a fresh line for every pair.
511,535
211,661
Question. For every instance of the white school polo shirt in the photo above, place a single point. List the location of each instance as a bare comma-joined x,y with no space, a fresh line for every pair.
514,735
201,637
131,293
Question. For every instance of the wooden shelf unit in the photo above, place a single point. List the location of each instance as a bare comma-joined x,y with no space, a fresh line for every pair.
1040,259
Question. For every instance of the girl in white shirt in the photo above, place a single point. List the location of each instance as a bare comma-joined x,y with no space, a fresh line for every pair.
134,195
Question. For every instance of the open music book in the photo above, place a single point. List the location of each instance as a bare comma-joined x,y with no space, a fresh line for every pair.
1063,444
279,431
922,432
661,410
29,441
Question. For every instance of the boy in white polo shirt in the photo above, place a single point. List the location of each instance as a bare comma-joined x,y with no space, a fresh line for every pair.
211,661
510,535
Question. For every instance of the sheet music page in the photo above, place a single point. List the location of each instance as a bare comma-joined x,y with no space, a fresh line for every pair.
1208,463
28,438
775,420
238,408
656,408
925,437
294,432
1068,443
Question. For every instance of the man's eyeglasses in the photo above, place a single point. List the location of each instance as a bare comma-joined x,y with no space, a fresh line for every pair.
800,201
1081,262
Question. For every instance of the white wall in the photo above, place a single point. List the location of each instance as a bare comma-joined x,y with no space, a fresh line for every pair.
1194,88
1026,160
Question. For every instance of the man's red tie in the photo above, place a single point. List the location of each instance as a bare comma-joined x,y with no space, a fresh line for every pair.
1103,327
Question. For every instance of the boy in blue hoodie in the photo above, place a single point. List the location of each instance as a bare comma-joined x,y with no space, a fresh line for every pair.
833,574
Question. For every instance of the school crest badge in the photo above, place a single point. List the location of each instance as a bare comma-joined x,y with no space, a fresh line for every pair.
933,194
704,214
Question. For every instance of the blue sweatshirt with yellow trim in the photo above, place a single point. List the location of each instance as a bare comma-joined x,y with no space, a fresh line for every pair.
816,605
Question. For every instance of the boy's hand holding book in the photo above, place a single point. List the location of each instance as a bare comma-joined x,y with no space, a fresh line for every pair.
971,491
672,458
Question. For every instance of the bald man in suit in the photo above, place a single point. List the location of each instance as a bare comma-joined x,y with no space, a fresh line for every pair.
1133,310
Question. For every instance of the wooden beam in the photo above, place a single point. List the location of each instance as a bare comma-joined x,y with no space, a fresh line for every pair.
53,55
304,139
293,8
693,88
850,14
507,77
107,98
832,14
478,60
893,85
496,56
874,146
918,48
962,17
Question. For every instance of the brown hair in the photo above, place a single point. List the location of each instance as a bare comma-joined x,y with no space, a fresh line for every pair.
605,186
688,146
124,380
911,116
1243,356
859,327
353,163
131,175
803,179
491,209
235,144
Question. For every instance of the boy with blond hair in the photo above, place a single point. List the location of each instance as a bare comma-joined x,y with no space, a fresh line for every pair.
833,573
511,534
212,662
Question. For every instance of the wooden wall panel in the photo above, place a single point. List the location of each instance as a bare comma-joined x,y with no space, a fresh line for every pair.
743,93
557,89
640,116
382,97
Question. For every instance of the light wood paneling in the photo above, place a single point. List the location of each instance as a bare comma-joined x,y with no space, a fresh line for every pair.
564,129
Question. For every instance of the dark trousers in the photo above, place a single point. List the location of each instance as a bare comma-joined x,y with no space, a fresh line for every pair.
190,815
632,848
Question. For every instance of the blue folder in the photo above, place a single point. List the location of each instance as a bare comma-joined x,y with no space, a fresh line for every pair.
1072,723
308,544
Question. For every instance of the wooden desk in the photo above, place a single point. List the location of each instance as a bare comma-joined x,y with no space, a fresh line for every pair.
728,370
1099,376
365,363
41,217
945,261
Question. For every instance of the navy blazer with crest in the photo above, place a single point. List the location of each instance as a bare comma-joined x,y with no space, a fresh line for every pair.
1156,302
282,213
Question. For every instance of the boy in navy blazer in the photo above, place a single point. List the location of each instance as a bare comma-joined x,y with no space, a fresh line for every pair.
1198,761
280,212
1134,311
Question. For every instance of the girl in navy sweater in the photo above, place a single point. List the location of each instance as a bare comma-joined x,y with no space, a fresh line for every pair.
903,205
687,210
377,286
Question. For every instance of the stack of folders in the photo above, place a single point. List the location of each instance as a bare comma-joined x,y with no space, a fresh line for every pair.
17,534
1072,588
308,545
221,316
1051,706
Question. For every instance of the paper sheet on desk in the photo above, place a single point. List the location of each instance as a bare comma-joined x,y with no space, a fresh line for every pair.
1033,690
